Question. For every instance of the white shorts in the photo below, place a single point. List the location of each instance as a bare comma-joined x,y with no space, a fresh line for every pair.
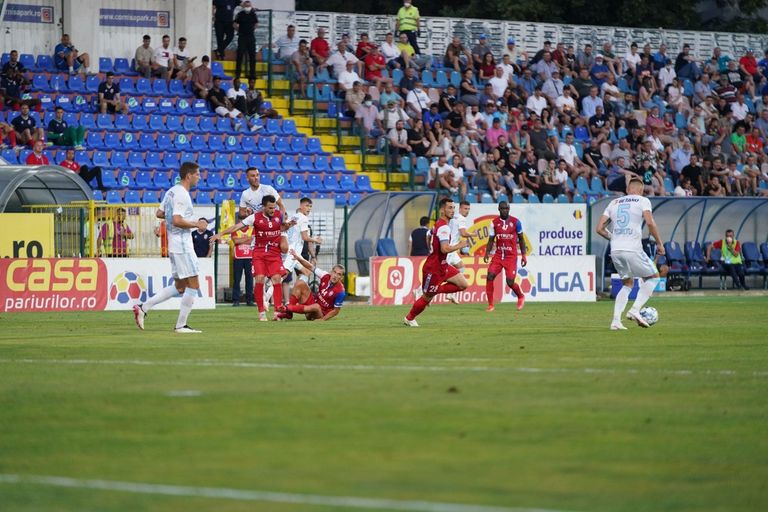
630,264
183,265
454,259
223,112
290,264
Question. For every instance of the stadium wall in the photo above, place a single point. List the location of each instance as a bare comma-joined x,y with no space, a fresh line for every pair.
31,26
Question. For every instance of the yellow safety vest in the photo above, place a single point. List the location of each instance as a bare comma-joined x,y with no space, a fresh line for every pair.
729,257
408,18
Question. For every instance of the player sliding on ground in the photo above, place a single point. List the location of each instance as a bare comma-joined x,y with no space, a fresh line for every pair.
507,233
269,245
626,214
177,209
437,276
321,306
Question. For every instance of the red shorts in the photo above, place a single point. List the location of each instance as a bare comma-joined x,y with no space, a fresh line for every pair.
509,265
268,265
433,277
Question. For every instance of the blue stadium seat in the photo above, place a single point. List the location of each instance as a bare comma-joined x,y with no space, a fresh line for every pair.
330,184
239,161
386,247
205,160
214,181
166,106
45,63
105,65
95,140
675,258
306,163
9,155
98,195
113,197
46,102
164,142
149,105
265,144
132,196
272,163
58,84
299,145
118,160
220,196
289,127
176,88
208,125
144,180
354,198
190,124
224,125
230,181
40,83
125,179
289,163
150,197
282,145
204,198
215,143
160,87
297,183
181,142
28,60
127,86
147,141
314,145
518,199
87,121
122,67
161,181
248,143
322,165
122,122
339,165
171,160
315,182
136,160
596,186
547,199
198,143
364,184
76,83
183,107
153,160
143,87
104,122
129,141
222,161
257,161
272,127
347,183
562,198
752,263
231,143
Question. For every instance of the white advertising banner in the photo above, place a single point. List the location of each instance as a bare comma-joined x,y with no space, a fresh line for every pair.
133,280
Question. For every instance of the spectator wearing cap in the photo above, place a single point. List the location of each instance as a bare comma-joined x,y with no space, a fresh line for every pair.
685,65
367,118
109,96
202,78
457,56
301,68
143,57
517,56
417,101
585,59
480,50
407,22
390,115
537,102
319,49
599,72
339,59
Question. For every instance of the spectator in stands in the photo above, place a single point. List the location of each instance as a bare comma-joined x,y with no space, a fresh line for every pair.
714,188
684,188
184,64
223,11
480,50
685,65
237,96
487,67
114,234
731,257
202,79
631,60
748,66
287,44
13,64
544,68
567,152
585,59
528,169
245,23
25,126
517,56
85,173
367,118
319,49
391,115
109,96
301,69
163,60
67,58
417,102
468,93
398,142
418,140
388,94
407,22
7,136
242,262
537,102
457,56
599,72
201,238
552,88
441,175
417,240
409,54
408,82
143,57
694,174
220,104
393,55
37,157
348,78
61,134
13,91
339,59
374,64
591,102
254,101
353,99
364,46
490,176
610,59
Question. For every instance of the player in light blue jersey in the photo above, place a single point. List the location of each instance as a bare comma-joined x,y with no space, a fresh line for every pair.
177,209
626,215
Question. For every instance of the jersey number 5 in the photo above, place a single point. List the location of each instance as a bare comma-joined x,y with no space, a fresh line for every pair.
622,216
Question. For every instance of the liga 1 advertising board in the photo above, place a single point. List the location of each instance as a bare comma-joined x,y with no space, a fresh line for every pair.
549,229
92,284
543,279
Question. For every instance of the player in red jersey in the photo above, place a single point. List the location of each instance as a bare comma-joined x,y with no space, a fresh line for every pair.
507,233
269,245
321,306
437,275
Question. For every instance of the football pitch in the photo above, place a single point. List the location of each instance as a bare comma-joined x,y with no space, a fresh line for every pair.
544,409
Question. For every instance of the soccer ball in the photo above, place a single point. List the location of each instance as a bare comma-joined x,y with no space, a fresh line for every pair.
650,315
128,288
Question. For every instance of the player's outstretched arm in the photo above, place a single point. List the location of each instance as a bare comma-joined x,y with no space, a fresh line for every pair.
446,247
654,231
231,229
332,313
181,222
601,228
304,263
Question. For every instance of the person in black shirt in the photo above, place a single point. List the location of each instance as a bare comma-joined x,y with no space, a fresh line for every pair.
61,134
245,23
408,82
455,119
599,127
447,100
13,64
529,173
694,173
109,96
26,128
201,238
12,86
225,31
417,241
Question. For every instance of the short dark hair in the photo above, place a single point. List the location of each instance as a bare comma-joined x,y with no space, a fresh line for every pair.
183,39
251,169
146,36
305,200
188,168
203,218
464,202
444,201
424,221
109,74
268,199
58,107
166,35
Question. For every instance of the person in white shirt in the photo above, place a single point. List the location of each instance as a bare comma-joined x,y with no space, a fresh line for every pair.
163,60
666,75
393,55
567,151
626,215
565,104
739,109
338,60
287,44
498,83
176,208
390,115
297,235
507,68
537,102
182,70
250,200
553,87
349,76
458,225
632,58
417,100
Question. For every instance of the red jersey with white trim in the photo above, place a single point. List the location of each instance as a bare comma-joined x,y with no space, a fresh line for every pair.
329,295
440,233
507,232
267,233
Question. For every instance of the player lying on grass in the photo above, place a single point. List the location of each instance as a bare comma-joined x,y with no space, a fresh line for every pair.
323,305
507,234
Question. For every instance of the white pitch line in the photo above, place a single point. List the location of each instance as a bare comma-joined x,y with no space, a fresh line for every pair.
380,368
262,496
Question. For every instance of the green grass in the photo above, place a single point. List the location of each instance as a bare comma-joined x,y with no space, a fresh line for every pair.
669,418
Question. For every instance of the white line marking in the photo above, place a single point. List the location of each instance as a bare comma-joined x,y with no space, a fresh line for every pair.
263,496
184,393
376,368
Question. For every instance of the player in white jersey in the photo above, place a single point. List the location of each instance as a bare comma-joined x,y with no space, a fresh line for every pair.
627,214
250,200
180,216
458,225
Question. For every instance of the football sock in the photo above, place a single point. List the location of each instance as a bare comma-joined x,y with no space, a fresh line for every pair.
187,301
277,295
258,296
163,295
268,291
292,299
448,288
296,308
644,293
489,291
418,306
621,302
516,289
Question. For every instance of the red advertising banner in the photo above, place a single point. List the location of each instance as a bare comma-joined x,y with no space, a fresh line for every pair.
545,278
53,284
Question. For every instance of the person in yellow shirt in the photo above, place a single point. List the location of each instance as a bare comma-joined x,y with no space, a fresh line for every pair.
407,23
